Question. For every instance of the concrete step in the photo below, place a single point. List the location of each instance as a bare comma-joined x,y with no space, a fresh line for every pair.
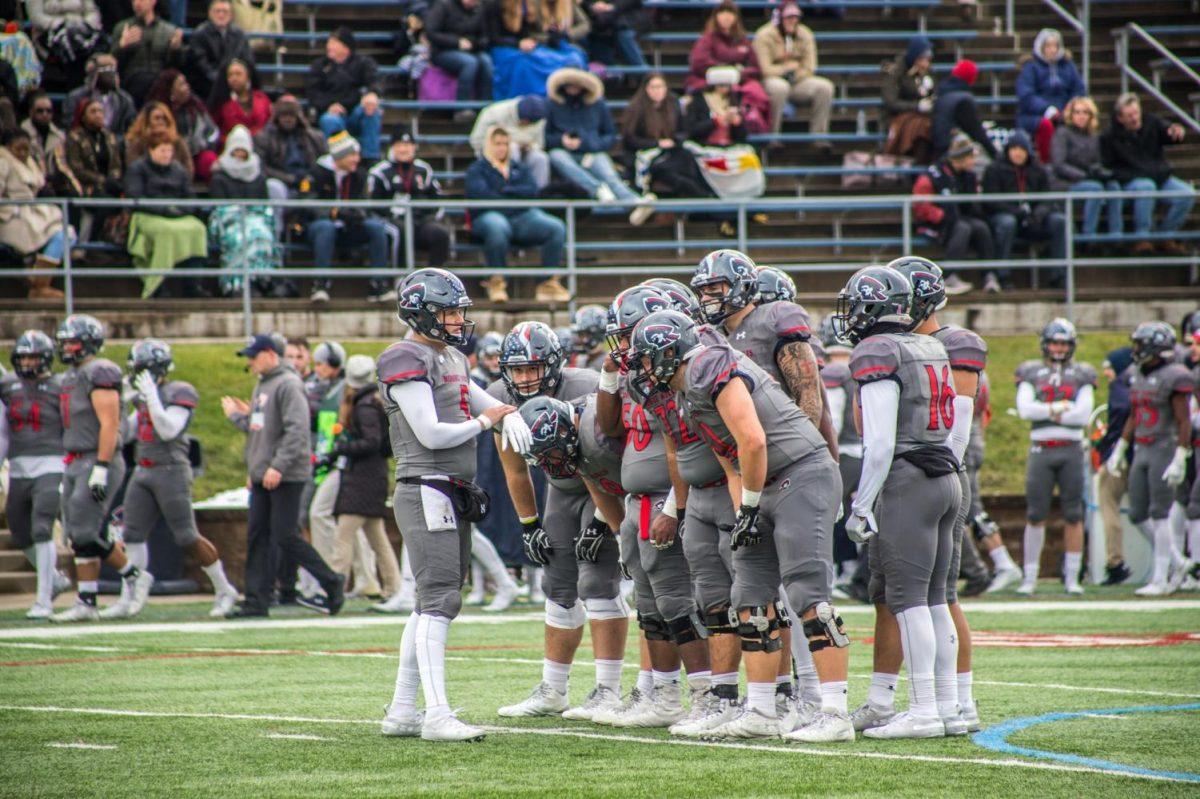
14,560
6,539
17,582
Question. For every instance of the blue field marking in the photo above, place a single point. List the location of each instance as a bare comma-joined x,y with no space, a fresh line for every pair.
995,738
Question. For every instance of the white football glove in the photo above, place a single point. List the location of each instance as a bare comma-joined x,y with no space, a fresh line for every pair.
98,482
1116,459
860,528
515,435
146,385
1177,469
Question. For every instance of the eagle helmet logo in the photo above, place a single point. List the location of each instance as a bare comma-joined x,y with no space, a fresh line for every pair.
544,426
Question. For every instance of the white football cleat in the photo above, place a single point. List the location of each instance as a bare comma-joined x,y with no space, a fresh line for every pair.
799,714
1027,588
140,592
748,723
544,701
955,725
970,714
447,727
825,728
1153,589
868,716
663,708
1189,583
1074,590
1003,578
505,595
708,711
1179,575
601,696
39,612
117,610
80,611
906,725
402,723
223,602
476,596
62,583
612,716
398,602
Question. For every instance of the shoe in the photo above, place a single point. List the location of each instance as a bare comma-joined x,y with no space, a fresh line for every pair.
1003,578
612,716
1179,574
319,296
991,283
605,195
640,214
402,723
868,716
398,602
600,696
749,723
1075,589
1027,588
784,705
335,595
825,728
223,602
799,713
62,584
709,711
506,594
1190,583
551,290
1116,573
664,708
140,591
1153,589
1172,247
543,701
955,725
970,714
536,595
39,612
80,611
956,285
497,289
906,725
246,612
475,596
1142,248
315,602
117,610
447,727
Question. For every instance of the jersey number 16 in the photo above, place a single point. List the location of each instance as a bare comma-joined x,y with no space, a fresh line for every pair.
941,399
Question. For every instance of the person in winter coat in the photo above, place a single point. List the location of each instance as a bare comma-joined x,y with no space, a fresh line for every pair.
1019,172
525,120
44,135
104,84
1075,163
1132,148
458,44
401,176
145,45
213,45
787,54
908,100
714,116
237,99
30,229
360,454
532,39
614,31
653,120
289,147
954,108
579,134
156,118
244,234
93,157
192,120
1046,83
958,227
343,90
725,43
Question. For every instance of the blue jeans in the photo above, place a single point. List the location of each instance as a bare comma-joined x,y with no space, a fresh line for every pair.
1178,208
367,129
177,12
53,251
473,71
532,227
604,47
1091,208
325,234
600,170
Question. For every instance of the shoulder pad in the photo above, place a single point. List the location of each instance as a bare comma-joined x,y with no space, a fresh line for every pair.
789,321
104,373
1087,374
835,373
875,358
404,361
180,393
577,383
712,369
499,391
966,350
1179,378
1027,371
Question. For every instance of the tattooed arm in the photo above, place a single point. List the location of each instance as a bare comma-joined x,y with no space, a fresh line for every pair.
802,378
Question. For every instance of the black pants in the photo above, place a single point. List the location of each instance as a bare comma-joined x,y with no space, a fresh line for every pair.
432,237
969,233
274,522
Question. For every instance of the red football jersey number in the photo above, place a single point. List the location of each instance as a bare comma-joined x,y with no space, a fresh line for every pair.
941,399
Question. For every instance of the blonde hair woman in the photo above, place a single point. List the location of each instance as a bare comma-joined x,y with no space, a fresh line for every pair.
530,40
1075,163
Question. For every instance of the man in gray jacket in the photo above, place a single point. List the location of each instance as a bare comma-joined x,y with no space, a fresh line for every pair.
278,458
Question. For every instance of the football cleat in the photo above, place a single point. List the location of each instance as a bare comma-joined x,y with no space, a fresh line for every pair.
140,591
708,711
1074,590
80,611
799,713
402,723
1003,578
1027,588
825,727
543,701
906,725
748,723
662,709
613,715
62,584
475,597
956,724
117,610
1190,583
1180,574
398,602
868,716
970,714
39,612
447,727
223,602
505,595
1154,589
600,697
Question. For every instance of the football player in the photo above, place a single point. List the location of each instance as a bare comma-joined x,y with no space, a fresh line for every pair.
90,404
909,493
774,285
1160,430
161,485
577,590
587,337
435,413
1056,394
31,436
840,391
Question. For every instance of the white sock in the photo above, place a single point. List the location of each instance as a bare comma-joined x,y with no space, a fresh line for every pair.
698,680
882,693
965,682
478,575
1035,538
431,661
89,587
45,558
1162,550
1177,517
833,696
806,670
556,674
535,580
645,681
1001,558
1193,538
760,696
669,677
945,667
408,675
484,551
216,573
608,674
1071,561
919,642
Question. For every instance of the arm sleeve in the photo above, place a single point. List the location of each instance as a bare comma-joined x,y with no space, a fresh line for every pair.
1081,408
960,433
836,395
169,422
415,401
1028,407
880,406
480,400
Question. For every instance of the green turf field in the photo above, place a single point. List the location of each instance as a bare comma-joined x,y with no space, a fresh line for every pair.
192,708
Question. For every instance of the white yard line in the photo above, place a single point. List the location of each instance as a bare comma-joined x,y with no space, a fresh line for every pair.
77,745
295,736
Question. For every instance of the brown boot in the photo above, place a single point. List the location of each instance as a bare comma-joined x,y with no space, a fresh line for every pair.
551,290
39,285
497,289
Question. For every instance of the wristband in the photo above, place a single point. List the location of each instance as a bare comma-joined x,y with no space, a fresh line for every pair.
528,520
610,382
598,516
105,464
751,498
669,509
484,422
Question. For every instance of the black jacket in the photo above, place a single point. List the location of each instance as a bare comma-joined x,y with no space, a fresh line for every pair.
209,49
389,180
698,124
146,179
625,14
448,21
955,108
363,487
321,184
1001,177
224,187
1137,154
330,82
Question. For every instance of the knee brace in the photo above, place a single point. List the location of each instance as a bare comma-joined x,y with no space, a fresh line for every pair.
571,618
99,549
716,621
983,525
825,629
654,627
686,629
606,609
782,615
760,632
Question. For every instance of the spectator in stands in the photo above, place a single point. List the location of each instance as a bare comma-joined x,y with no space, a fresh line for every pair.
93,156
954,108
104,84
1018,172
10,97
192,120
1075,163
19,52
532,40
725,43
341,175
525,120
579,134
401,176
44,136
614,31
458,44
958,227
1046,83
68,32
787,54
1132,148
244,234
145,45
714,116
163,236
653,121
343,89
213,45
29,229
908,100
238,100
495,176
289,147
155,118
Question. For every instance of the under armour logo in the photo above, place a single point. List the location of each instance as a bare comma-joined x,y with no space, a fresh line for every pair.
740,335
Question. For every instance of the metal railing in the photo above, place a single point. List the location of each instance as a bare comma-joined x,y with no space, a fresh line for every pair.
1151,87
839,205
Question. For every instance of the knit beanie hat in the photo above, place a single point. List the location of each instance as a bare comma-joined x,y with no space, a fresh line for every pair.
966,71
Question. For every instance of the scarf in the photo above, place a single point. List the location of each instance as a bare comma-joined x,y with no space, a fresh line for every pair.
245,171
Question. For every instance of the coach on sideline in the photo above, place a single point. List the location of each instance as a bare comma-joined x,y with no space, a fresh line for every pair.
278,458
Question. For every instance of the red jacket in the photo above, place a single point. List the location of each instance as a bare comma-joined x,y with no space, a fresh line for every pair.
716,50
232,113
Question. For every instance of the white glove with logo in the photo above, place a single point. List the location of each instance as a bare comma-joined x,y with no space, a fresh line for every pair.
515,435
146,385
1177,469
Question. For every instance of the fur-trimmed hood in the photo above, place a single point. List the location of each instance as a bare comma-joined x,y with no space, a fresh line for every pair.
593,88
